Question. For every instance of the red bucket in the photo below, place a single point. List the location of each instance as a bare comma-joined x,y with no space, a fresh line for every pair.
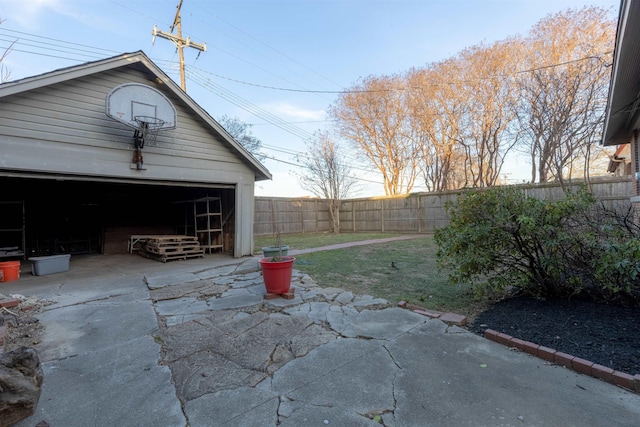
10,271
277,275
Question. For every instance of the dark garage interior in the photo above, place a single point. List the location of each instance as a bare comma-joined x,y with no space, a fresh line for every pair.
66,216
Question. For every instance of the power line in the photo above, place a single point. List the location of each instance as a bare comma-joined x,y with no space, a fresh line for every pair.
301,154
403,88
283,89
255,110
14,49
304,167
95,50
248,106
75,45
262,42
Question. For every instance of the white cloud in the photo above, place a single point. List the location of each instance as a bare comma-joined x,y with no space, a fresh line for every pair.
293,111
28,13
32,14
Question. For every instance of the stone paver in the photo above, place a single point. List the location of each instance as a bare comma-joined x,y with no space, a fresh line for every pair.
330,357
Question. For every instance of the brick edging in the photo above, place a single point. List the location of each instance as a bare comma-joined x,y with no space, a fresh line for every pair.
577,364
622,379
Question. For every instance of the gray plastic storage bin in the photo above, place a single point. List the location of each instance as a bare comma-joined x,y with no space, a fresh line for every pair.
42,265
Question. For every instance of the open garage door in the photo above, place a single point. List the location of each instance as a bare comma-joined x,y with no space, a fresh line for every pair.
65,215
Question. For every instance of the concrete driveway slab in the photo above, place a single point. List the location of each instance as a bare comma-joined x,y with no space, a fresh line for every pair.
240,407
465,380
379,324
109,387
311,415
92,326
354,375
119,351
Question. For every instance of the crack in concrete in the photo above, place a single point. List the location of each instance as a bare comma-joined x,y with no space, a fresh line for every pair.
393,389
393,394
278,409
391,356
86,302
273,353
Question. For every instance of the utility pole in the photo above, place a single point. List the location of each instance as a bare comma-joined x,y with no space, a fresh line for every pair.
179,42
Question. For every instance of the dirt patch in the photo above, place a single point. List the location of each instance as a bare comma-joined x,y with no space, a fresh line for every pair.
22,326
601,333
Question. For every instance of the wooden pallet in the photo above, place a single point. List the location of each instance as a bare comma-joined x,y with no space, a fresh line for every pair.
138,241
171,238
169,247
161,245
199,253
162,250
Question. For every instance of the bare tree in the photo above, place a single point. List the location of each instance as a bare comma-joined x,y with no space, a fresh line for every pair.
462,112
487,135
435,113
5,73
564,89
455,121
241,132
373,117
326,175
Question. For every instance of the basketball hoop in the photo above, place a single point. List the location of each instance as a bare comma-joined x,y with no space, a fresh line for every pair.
147,130
143,108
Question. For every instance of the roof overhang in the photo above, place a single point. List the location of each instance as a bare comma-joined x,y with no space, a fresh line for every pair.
623,107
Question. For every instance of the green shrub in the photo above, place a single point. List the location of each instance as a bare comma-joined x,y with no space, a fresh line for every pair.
616,269
500,239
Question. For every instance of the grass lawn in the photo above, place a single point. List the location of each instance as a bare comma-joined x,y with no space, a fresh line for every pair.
367,270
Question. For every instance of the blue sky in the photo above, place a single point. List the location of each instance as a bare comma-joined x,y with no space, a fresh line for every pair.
257,48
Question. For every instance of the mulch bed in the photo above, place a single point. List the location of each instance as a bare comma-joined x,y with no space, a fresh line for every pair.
601,333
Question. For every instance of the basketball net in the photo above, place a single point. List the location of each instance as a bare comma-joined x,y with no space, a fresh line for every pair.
147,130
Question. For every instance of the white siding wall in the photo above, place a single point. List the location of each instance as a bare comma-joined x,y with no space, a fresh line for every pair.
245,208
63,128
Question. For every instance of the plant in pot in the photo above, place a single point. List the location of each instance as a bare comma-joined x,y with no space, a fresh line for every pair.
277,249
277,271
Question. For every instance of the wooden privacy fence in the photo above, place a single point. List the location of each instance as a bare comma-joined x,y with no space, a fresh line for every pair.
414,213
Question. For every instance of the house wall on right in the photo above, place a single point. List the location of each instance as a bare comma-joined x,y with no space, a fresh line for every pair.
622,118
635,169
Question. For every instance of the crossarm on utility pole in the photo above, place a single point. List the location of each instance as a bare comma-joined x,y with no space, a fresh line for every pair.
179,42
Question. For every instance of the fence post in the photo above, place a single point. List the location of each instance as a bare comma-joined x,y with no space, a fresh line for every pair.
382,215
273,217
353,215
302,214
419,210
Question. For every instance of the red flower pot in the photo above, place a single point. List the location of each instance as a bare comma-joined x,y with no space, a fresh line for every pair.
277,274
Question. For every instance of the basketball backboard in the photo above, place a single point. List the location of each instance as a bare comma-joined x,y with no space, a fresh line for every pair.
130,100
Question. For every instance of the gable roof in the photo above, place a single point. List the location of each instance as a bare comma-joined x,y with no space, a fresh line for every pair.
623,107
140,61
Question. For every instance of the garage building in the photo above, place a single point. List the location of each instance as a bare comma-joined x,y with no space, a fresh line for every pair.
70,181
